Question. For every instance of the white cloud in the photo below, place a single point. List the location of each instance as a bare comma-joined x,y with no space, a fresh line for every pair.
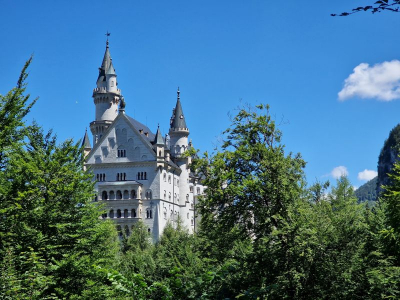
367,175
339,171
380,81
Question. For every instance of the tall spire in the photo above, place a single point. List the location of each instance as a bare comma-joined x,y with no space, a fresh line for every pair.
86,142
106,63
178,119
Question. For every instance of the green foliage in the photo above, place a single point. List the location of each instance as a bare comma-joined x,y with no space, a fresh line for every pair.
378,6
263,235
367,192
13,108
51,235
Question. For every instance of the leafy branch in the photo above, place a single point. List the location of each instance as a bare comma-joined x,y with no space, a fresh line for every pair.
379,6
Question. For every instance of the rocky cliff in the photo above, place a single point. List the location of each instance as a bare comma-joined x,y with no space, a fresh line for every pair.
388,156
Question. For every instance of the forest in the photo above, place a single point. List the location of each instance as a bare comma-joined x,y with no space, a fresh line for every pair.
265,232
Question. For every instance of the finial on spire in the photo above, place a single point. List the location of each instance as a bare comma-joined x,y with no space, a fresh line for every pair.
178,92
107,34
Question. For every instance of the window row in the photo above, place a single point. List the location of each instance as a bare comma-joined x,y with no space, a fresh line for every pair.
101,177
121,153
126,214
141,176
121,176
176,182
118,195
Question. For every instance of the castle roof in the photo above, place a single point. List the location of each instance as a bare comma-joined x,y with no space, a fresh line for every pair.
178,119
111,70
105,65
86,141
159,139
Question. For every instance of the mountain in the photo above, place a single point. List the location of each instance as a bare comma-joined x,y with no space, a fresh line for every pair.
367,192
388,156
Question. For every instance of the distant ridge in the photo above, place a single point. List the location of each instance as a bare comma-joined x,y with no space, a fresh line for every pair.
367,192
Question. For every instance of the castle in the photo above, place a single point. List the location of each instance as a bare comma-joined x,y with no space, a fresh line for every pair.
139,175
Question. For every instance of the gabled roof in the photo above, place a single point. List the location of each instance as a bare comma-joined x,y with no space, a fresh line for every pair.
142,128
86,141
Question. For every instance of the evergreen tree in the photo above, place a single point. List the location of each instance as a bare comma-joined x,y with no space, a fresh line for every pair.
50,231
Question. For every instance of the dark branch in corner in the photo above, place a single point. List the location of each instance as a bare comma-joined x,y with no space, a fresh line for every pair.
379,6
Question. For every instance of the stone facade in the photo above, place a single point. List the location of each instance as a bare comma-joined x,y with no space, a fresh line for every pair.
139,175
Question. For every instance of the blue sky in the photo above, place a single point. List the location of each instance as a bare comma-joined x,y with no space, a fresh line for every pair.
290,54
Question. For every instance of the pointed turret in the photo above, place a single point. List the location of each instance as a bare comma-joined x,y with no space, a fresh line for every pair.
106,96
159,146
158,140
104,67
178,130
178,119
86,144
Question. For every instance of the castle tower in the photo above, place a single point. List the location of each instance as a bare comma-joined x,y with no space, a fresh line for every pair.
86,144
159,146
178,130
179,133
106,97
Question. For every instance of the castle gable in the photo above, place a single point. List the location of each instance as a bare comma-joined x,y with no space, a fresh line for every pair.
126,140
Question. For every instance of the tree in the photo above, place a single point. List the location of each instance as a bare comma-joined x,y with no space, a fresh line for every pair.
48,211
251,185
378,6
14,107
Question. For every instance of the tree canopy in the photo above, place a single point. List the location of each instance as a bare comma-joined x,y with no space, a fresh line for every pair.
376,7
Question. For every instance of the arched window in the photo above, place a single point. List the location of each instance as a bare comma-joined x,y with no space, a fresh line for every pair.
192,221
119,229
149,213
159,153
133,213
198,191
112,195
149,230
104,216
141,175
133,194
126,230
119,195
104,177
187,197
121,153
125,213
124,176
111,214
104,195
117,176
145,175
126,194
165,176
169,179
148,194
165,195
118,213
97,177
169,196
138,176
